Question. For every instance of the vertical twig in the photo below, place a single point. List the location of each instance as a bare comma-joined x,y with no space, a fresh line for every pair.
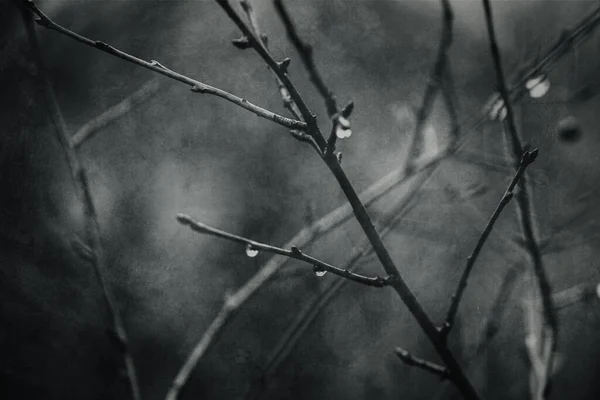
548,341
434,84
80,181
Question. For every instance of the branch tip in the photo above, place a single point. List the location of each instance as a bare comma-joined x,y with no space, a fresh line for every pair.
426,365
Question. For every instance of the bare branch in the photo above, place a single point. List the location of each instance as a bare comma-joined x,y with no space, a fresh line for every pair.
426,365
526,160
294,252
196,86
96,254
88,130
525,216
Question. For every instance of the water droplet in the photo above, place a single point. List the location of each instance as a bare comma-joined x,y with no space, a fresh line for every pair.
598,290
344,123
533,82
319,271
342,133
498,111
540,88
251,251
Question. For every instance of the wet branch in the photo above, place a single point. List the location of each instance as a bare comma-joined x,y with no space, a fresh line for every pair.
293,252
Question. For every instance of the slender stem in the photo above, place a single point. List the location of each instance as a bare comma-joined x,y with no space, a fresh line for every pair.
526,160
306,56
196,86
525,215
294,252
97,258
311,120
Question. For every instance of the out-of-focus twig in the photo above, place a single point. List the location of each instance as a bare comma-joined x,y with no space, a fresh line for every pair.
547,341
88,130
118,333
196,86
434,84
306,56
527,158
294,252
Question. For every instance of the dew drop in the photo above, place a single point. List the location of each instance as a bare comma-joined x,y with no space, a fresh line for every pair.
342,133
344,123
533,82
498,111
540,88
251,251
598,290
319,271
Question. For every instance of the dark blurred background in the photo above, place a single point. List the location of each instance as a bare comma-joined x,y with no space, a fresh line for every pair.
183,152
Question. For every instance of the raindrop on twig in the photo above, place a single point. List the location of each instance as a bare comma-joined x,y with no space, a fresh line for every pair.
251,251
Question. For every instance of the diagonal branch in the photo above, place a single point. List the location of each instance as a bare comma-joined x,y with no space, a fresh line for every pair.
550,324
88,130
294,252
526,160
196,86
96,257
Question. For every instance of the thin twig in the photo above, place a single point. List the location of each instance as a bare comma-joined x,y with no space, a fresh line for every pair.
426,365
434,83
294,252
118,110
526,160
306,56
339,116
196,86
97,258
548,342
280,70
